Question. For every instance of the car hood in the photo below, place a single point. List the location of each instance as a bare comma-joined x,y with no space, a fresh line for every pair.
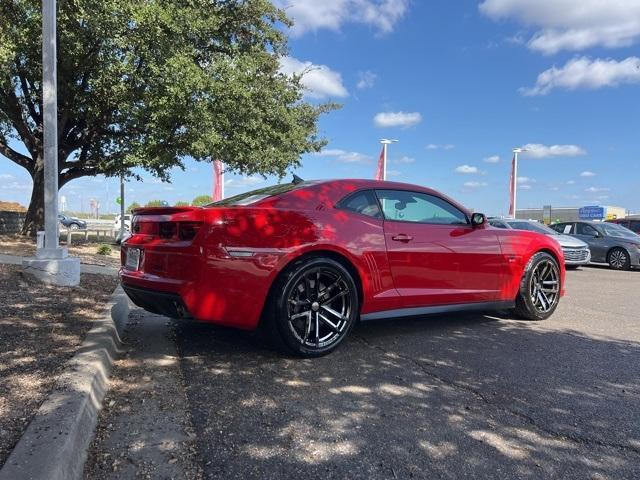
635,241
568,241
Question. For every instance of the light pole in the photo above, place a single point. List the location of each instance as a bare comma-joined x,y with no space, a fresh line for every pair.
385,144
516,151
51,263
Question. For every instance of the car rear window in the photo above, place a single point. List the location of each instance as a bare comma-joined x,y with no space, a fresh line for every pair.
254,196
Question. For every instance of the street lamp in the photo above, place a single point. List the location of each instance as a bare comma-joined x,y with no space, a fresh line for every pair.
385,144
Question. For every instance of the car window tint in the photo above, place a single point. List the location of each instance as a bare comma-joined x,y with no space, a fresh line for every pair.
407,206
497,224
634,225
586,229
364,203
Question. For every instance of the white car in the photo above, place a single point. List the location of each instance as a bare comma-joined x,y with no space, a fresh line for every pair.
127,222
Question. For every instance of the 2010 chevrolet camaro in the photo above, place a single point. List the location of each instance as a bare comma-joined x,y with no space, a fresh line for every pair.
304,261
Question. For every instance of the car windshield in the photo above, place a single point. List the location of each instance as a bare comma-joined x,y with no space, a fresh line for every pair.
613,230
533,227
254,196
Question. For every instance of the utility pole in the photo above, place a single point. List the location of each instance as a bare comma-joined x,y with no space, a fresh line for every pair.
516,151
51,263
122,206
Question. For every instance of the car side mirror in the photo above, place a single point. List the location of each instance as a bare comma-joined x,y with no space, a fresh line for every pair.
478,219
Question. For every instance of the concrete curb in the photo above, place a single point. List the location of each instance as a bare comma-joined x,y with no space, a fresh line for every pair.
55,444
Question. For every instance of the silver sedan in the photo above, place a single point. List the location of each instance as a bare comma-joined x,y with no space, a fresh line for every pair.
576,252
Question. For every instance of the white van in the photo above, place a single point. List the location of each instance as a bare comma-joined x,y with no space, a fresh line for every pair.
127,222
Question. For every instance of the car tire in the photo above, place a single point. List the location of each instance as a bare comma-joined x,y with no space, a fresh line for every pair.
313,308
618,259
74,226
539,288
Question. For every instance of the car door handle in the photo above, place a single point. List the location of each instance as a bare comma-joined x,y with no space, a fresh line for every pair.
402,238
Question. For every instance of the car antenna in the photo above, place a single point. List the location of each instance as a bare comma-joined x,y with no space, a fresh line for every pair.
297,180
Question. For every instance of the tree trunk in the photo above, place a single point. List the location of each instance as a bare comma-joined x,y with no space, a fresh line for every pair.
34,220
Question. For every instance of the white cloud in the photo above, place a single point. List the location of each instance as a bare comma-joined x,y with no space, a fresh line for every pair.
525,187
597,189
571,182
584,73
393,173
314,15
537,150
466,169
244,181
587,173
6,176
492,159
602,197
475,184
319,80
397,119
571,24
344,156
366,79
16,186
525,180
446,146
405,159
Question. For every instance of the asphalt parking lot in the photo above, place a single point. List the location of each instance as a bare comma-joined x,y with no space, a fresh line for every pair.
482,396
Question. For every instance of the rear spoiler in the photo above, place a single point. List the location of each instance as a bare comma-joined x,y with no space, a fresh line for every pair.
163,210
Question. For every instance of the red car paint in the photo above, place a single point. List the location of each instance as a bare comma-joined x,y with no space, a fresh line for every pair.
221,270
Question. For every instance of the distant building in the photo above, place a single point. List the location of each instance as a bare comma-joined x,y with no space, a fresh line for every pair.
571,214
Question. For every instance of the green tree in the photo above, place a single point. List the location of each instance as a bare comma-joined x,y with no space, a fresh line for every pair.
145,84
201,200
181,203
132,207
155,203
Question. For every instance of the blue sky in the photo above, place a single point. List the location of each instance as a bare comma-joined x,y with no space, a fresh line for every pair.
459,84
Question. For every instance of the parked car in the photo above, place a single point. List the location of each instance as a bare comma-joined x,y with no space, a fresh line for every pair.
576,252
304,261
127,222
608,242
72,223
630,223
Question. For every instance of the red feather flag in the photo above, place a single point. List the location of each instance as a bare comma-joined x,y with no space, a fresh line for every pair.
512,187
218,181
381,166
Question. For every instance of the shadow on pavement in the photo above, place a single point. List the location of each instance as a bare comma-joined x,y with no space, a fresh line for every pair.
446,397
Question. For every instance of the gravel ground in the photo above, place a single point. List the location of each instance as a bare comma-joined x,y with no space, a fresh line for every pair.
449,396
24,247
40,328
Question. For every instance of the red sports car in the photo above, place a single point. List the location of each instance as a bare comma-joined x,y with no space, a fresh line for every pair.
307,260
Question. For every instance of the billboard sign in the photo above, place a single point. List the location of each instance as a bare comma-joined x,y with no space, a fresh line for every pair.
591,213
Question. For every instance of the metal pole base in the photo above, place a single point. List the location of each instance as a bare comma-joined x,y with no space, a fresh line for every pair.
64,272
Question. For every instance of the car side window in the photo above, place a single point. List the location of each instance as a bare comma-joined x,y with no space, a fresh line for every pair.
417,207
497,224
586,229
634,225
364,202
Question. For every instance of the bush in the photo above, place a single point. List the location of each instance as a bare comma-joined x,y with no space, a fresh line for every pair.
104,250
201,200
181,204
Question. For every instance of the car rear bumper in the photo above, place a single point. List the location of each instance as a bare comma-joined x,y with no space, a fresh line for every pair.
162,303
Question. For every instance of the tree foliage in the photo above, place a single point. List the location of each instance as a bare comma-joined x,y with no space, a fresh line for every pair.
181,203
155,203
132,207
201,200
145,84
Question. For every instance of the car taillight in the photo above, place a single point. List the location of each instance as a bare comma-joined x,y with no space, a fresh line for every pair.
167,230
188,230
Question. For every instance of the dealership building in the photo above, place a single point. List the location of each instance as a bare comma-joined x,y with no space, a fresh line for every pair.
550,214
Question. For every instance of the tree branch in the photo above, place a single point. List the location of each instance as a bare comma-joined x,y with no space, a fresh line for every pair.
13,110
26,93
16,157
